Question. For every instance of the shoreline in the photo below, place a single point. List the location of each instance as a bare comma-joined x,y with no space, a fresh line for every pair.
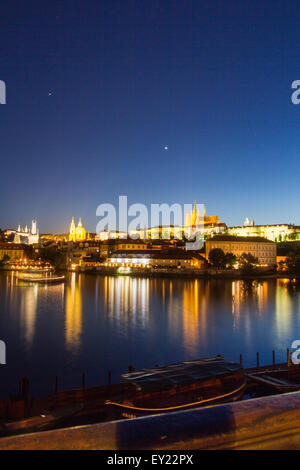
180,275
189,275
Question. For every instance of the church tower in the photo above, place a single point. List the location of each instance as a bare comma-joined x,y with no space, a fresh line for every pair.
188,220
33,227
80,231
72,231
195,215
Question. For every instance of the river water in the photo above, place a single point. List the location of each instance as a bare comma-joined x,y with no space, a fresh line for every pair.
93,324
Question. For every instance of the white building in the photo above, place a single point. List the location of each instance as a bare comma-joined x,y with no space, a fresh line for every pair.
26,236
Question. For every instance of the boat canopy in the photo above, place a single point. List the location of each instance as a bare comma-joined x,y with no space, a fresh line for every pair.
179,374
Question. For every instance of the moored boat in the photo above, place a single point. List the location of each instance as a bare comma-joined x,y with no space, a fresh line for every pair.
40,277
284,380
181,386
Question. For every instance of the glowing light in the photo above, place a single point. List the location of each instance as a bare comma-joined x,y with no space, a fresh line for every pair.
122,269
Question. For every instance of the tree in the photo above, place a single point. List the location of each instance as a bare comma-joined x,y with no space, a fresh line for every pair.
230,259
248,262
4,259
217,258
52,255
292,263
10,237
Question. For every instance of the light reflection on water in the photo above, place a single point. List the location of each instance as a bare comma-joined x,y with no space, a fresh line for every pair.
95,324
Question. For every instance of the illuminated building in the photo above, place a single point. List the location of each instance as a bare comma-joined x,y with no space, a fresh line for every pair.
173,258
195,219
14,251
276,233
110,235
78,233
25,235
261,248
208,225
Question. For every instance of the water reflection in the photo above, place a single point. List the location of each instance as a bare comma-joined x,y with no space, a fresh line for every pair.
73,321
127,298
283,307
28,313
249,294
109,322
197,308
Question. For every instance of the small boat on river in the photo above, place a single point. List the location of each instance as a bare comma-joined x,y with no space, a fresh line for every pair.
180,386
42,278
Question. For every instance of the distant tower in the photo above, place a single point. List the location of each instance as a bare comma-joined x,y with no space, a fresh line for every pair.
72,231
252,222
194,219
33,228
246,223
80,231
195,215
33,236
188,219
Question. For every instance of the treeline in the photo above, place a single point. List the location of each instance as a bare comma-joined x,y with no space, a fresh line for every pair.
288,248
221,260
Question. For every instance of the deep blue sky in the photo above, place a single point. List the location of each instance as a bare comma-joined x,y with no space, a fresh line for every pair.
209,79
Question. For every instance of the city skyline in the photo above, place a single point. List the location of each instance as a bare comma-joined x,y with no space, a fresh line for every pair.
162,102
22,226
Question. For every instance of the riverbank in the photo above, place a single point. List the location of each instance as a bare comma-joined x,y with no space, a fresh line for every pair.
178,274
188,274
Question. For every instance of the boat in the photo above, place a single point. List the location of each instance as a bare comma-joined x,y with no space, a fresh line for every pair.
278,380
32,268
40,277
180,386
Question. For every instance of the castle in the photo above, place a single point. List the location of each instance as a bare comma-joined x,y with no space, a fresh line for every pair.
194,219
78,233
26,235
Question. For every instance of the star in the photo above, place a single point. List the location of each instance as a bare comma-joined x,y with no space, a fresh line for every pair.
166,147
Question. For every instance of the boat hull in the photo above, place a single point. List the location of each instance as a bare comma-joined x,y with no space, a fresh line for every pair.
181,386
133,410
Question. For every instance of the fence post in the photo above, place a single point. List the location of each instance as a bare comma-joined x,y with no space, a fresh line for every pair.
288,357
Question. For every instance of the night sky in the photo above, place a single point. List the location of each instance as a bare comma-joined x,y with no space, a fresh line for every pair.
97,89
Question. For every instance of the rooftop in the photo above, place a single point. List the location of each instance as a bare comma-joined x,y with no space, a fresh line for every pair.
266,225
156,254
232,238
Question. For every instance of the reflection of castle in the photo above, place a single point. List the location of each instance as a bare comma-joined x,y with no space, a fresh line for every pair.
77,233
27,236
